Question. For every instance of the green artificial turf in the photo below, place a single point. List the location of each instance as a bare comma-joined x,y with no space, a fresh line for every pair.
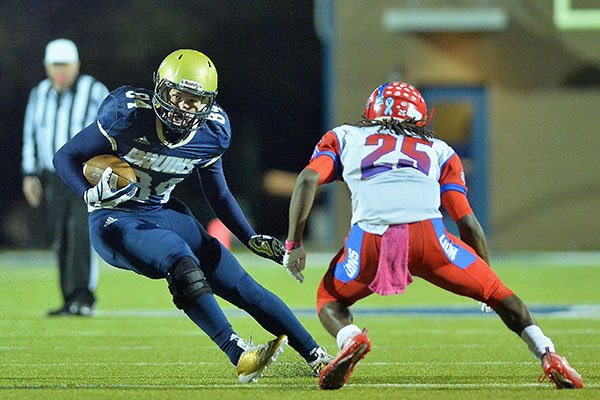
139,346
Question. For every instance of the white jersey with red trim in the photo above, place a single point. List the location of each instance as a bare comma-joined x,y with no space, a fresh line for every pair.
393,179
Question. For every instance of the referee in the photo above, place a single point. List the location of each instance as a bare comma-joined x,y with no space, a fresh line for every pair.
58,108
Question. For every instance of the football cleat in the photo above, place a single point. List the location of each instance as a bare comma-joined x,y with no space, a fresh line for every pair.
557,369
320,361
256,359
336,374
73,308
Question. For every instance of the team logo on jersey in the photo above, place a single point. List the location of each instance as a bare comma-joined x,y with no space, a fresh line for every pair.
109,221
160,162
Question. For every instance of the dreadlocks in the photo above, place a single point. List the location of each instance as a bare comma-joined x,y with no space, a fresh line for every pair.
406,127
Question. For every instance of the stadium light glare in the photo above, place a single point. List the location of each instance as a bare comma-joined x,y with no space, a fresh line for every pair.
404,20
567,18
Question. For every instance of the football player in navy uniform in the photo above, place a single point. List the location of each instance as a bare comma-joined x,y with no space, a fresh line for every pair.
164,135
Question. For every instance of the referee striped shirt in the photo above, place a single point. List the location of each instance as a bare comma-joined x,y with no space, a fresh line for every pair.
52,118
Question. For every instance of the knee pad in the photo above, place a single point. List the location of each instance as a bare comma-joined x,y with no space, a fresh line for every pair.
186,282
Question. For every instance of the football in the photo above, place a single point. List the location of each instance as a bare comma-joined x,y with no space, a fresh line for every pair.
122,174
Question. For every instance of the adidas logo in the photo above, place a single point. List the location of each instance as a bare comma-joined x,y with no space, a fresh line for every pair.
142,140
109,221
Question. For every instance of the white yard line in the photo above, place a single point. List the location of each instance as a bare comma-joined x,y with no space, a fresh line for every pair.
291,385
208,363
591,311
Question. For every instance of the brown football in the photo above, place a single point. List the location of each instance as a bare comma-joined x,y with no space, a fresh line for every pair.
122,174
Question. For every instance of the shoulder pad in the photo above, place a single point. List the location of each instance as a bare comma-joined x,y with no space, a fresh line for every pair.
218,122
122,107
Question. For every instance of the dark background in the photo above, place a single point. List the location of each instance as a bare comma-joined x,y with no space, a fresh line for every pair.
270,83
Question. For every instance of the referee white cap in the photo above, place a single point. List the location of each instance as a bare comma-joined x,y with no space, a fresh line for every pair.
61,51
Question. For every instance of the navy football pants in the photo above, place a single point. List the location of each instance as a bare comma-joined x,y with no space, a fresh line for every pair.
148,240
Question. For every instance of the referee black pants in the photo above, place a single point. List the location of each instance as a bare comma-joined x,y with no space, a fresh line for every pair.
68,219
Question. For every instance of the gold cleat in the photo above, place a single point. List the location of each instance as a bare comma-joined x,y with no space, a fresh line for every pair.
256,359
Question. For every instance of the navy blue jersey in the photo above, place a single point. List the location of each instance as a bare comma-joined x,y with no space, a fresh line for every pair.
128,121
127,126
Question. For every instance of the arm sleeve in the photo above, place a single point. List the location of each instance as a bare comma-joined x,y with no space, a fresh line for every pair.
453,188
69,159
325,159
28,164
227,209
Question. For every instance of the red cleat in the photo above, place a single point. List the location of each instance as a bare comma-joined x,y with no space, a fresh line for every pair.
336,374
557,369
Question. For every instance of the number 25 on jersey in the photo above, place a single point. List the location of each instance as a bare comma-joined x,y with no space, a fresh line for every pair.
408,156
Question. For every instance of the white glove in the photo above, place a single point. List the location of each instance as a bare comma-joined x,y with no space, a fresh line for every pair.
102,195
293,260
485,308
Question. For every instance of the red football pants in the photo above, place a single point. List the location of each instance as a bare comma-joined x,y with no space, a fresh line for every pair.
434,255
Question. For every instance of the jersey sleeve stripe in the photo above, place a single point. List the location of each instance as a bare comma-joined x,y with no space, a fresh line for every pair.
453,186
328,153
334,157
113,142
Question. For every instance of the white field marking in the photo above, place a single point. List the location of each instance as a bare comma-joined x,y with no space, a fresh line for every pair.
287,385
288,363
591,311
81,333
118,363
458,385
577,331
125,348
429,345
193,332
407,363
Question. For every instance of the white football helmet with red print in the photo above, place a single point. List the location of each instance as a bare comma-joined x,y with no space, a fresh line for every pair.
398,100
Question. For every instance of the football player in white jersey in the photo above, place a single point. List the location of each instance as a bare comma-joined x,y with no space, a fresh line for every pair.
399,173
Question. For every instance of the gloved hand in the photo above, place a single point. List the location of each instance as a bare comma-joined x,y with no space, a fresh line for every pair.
102,195
294,260
485,308
267,246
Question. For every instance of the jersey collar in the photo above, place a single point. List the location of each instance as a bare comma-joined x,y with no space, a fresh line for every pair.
161,136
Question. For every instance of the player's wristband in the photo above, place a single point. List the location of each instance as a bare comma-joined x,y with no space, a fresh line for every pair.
291,245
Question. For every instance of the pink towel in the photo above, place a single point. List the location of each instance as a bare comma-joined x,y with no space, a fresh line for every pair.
392,275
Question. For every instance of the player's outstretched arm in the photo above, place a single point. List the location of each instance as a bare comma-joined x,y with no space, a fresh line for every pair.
302,201
228,210
221,200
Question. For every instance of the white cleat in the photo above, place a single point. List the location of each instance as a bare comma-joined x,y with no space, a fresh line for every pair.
320,361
